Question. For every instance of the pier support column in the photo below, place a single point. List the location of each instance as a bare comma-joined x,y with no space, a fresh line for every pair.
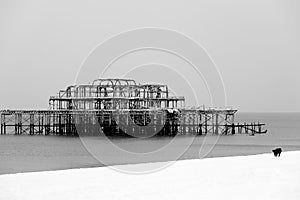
217,124
68,124
41,124
184,124
47,124
212,123
2,123
200,124
18,123
205,124
60,129
239,129
31,124
233,129
246,128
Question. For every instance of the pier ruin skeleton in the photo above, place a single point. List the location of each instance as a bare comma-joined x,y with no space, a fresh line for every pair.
122,107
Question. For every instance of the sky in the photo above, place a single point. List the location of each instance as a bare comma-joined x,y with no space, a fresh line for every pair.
254,44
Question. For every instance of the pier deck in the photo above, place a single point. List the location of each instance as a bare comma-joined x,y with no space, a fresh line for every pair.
140,122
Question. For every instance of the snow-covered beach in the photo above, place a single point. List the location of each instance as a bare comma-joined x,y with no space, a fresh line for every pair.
244,177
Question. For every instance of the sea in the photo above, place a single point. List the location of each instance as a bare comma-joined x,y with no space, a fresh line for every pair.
24,153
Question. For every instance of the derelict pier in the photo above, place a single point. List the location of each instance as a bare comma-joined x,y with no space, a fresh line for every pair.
122,107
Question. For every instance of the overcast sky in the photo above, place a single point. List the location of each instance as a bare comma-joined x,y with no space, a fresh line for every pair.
254,43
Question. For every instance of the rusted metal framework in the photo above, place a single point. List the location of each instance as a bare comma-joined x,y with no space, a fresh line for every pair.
122,107
114,94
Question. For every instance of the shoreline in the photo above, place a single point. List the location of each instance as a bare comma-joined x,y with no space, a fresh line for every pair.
144,163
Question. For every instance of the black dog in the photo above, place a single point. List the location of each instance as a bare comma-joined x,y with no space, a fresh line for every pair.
277,152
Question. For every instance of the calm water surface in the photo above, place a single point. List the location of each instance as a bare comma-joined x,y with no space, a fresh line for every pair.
37,153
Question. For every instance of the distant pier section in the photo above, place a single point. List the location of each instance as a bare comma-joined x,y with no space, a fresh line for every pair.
122,107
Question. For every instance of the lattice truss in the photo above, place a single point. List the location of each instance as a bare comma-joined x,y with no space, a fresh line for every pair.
115,94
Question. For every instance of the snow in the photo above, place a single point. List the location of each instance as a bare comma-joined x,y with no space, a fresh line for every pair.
246,177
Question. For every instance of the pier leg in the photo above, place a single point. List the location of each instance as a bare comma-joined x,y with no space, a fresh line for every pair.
4,124
68,124
206,129
217,125
60,130
42,125
16,124
54,125
2,132
31,124
20,123
226,129
47,125
233,129
213,124
200,129
39,125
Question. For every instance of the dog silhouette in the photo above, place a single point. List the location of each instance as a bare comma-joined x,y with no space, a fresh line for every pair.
277,152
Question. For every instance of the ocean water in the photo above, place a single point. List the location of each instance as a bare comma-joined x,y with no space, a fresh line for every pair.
26,153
